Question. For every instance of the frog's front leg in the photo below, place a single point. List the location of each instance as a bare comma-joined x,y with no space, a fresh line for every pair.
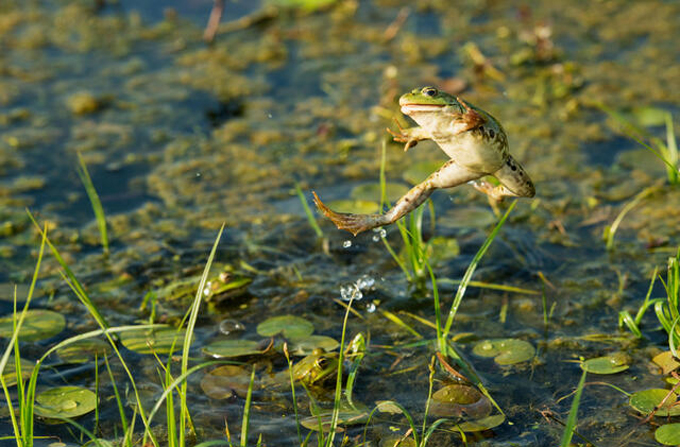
462,122
448,176
410,136
515,182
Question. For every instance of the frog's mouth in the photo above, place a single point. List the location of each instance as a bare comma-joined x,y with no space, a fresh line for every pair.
410,108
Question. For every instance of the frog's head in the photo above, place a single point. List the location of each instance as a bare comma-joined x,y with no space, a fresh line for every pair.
425,100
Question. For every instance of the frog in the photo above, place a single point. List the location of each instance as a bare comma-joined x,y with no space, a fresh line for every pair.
472,138
316,367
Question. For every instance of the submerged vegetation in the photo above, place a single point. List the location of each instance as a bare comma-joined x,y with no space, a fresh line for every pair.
138,148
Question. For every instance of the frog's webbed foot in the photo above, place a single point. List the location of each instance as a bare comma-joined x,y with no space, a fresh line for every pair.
495,193
354,223
409,136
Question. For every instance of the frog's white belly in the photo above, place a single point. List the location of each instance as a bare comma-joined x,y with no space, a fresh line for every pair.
472,151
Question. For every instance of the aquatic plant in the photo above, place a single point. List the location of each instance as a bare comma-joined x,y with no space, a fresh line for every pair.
94,201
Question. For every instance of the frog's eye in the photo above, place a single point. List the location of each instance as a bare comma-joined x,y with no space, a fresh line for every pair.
429,91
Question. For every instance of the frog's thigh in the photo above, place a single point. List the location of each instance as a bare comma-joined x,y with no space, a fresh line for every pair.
451,174
515,179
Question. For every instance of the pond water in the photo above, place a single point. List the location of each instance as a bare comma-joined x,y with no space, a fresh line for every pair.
180,136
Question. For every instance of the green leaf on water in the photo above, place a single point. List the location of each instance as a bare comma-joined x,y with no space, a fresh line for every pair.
441,249
371,192
225,381
392,440
668,434
485,423
7,292
505,351
305,345
10,374
469,217
458,401
647,400
148,341
666,361
418,172
232,348
39,325
65,402
610,364
289,326
354,206
83,351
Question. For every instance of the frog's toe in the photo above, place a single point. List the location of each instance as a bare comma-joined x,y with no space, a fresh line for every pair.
354,223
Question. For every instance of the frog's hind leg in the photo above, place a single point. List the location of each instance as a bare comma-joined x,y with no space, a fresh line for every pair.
515,182
448,176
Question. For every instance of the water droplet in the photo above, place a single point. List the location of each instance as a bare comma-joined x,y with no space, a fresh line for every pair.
383,233
370,308
350,291
270,116
230,326
376,238
206,289
365,282
347,244
198,174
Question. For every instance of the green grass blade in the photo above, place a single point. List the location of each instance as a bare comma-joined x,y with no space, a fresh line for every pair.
292,391
245,424
94,200
191,324
672,151
468,276
308,212
571,420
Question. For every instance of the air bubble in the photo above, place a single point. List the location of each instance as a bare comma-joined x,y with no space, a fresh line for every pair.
347,244
365,282
349,292
370,308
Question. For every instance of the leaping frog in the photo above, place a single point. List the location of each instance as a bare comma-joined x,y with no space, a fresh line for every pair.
473,139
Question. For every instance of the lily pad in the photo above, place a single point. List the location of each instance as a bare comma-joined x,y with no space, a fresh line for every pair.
305,345
668,434
83,351
350,417
10,375
289,326
666,361
505,351
485,423
645,402
65,402
225,381
441,249
7,292
392,440
371,192
354,206
232,348
418,172
610,364
460,400
146,341
469,217
39,324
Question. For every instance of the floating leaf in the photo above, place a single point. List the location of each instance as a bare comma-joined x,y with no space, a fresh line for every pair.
505,351
459,401
7,292
668,434
666,361
645,402
232,348
469,217
148,341
441,249
418,172
397,440
225,381
349,417
388,406
371,192
65,402
650,116
610,364
306,345
83,351
39,324
354,206
482,424
288,325
10,374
